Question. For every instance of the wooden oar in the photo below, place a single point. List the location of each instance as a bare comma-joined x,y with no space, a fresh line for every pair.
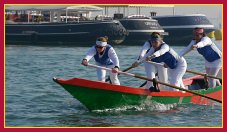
148,79
125,70
203,74
108,79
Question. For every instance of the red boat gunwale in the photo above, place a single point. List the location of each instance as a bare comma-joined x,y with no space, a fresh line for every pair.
126,89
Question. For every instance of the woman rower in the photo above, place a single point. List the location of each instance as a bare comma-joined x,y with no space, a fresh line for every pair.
105,56
151,69
163,53
212,55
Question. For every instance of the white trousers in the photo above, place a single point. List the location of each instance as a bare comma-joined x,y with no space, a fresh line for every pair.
177,74
213,71
212,68
102,75
151,70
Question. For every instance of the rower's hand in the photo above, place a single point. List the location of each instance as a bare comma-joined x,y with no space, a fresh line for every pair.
194,46
135,64
166,66
150,57
115,70
84,62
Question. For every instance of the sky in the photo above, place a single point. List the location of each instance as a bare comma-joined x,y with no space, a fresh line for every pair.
213,12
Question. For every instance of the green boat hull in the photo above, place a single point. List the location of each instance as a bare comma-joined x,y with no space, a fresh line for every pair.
97,95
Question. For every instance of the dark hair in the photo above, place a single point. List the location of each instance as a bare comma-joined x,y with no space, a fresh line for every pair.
204,34
156,33
155,36
103,39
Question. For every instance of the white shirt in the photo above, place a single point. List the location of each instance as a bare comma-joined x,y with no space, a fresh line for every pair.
144,50
205,41
161,51
111,54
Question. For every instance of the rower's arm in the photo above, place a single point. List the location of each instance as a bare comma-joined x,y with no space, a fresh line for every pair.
113,56
204,42
187,49
163,50
91,52
151,51
143,50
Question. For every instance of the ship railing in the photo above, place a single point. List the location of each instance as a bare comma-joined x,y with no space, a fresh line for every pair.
137,17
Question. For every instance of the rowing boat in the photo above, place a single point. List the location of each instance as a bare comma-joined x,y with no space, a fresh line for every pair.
97,95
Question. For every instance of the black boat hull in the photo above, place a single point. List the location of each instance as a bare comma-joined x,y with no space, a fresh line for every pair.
78,34
180,27
139,30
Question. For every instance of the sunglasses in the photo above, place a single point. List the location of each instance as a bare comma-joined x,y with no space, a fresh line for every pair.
154,41
99,47
198,34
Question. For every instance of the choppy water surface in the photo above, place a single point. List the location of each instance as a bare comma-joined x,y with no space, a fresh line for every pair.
33,99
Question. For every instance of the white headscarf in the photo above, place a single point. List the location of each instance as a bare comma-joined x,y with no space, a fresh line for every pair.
100,43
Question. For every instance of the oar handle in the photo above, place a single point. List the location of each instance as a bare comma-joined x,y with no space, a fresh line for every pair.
129,68
109,69
163,83
108,79
203,74
125,70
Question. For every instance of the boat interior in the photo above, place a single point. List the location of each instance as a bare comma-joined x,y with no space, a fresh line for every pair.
199,83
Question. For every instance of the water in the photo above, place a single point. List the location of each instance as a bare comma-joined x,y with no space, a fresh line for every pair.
33,99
